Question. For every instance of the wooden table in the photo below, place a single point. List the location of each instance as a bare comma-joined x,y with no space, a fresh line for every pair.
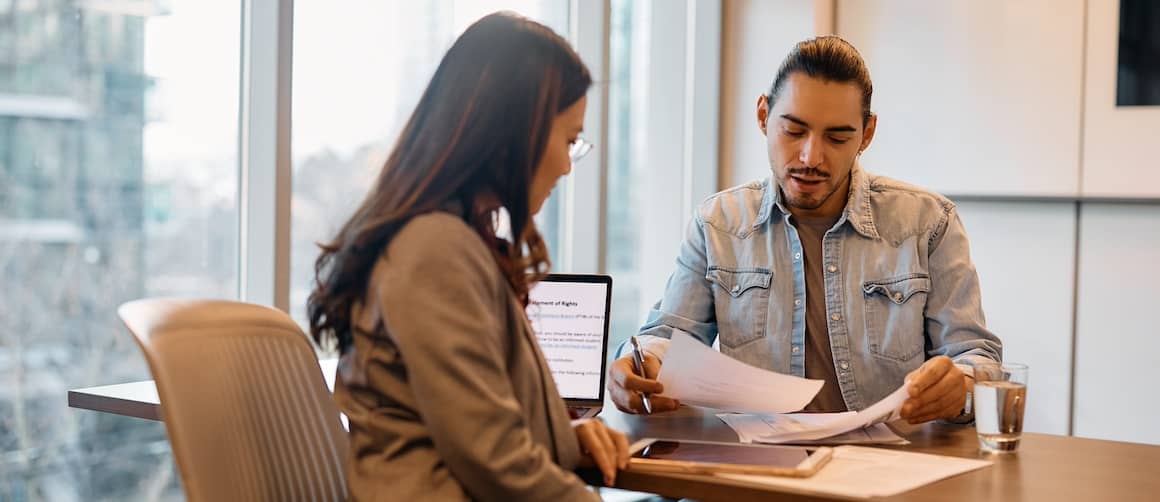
1048,468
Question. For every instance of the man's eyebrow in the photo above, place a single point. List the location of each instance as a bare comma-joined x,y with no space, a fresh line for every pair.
795,120
798,121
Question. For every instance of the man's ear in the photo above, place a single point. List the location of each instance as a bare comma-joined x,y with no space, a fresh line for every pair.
762,112
868,134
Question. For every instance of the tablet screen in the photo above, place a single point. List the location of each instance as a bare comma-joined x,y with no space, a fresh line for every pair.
726,453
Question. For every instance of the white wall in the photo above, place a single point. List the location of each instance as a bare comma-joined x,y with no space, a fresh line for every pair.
975,97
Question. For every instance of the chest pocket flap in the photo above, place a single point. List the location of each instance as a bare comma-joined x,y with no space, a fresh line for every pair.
737,282
900,289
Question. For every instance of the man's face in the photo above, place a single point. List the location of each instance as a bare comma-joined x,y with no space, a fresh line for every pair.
814,132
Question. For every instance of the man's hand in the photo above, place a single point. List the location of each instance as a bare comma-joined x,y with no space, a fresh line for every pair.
625,386
603,448
938,389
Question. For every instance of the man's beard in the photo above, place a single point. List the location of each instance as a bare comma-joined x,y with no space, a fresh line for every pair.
810,202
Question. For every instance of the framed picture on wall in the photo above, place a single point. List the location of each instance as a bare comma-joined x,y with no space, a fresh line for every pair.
1138,54
1121,100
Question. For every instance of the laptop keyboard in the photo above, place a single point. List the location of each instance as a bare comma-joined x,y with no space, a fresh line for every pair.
578,411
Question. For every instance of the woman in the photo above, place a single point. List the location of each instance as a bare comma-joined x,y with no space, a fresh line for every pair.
447,393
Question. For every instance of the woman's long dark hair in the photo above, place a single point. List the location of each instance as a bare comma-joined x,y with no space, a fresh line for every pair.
477,134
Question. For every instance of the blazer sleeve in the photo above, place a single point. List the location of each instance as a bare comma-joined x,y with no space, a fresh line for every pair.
442,305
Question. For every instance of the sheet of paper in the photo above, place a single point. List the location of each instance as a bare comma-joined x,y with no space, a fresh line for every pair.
786,428
863,472
874,434
698,375
750,428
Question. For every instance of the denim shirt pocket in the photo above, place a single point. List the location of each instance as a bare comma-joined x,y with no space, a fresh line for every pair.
742,299
895,323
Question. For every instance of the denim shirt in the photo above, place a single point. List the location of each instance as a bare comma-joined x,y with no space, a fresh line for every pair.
899,283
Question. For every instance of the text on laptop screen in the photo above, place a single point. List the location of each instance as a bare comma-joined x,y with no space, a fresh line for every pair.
568,318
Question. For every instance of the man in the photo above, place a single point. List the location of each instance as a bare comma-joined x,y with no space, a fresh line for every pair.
824,270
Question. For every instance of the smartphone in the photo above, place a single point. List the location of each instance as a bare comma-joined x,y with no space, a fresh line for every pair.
707,457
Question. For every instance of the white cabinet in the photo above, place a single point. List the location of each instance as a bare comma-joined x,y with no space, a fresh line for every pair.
1119,151
1117,363
979,97
1025,252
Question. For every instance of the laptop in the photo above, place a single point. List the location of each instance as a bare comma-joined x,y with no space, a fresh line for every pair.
569,315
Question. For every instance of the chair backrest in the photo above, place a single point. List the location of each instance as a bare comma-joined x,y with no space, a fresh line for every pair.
248,414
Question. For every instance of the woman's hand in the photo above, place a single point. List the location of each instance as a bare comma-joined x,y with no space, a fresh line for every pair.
605,448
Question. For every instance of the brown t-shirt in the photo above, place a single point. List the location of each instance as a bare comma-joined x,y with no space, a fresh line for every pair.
819,356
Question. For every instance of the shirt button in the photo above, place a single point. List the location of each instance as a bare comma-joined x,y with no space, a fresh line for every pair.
797,256
797,301
836,316
736,289
796,349
832,268
845,365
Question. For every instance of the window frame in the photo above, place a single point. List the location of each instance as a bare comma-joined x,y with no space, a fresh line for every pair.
264,163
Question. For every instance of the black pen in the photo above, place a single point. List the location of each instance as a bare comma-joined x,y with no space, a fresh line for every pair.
638,365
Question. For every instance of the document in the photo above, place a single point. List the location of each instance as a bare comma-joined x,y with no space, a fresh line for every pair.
568,319
751,428
698,375
863,472
785,428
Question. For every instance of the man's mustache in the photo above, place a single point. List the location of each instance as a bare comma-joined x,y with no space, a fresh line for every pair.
807,172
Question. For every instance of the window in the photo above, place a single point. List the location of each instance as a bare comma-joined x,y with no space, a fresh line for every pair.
662,143
118,180
623,258
354,88
120,169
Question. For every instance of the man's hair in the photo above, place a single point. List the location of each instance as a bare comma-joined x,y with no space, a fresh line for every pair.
828,58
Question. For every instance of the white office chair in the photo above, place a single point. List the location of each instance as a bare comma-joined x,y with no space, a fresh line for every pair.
245,406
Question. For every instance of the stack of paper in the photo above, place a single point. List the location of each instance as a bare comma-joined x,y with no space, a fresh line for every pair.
861,472
866,425
762,429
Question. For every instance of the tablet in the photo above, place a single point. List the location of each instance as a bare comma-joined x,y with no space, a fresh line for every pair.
707,457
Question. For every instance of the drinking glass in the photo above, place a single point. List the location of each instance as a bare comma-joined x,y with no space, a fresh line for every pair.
999,399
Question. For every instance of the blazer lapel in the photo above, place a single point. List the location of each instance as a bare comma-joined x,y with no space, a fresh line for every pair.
565,447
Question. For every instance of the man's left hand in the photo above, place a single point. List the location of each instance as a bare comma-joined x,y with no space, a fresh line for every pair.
938,389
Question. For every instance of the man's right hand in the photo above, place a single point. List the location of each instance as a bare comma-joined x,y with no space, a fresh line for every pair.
625,386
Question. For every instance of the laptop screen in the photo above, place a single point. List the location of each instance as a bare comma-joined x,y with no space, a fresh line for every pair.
569,314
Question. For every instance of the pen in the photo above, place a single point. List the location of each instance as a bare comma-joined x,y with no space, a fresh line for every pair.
638,366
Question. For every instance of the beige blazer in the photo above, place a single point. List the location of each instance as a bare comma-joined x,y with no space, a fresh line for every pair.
447,393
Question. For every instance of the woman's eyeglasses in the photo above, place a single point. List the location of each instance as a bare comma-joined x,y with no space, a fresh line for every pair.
578,149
